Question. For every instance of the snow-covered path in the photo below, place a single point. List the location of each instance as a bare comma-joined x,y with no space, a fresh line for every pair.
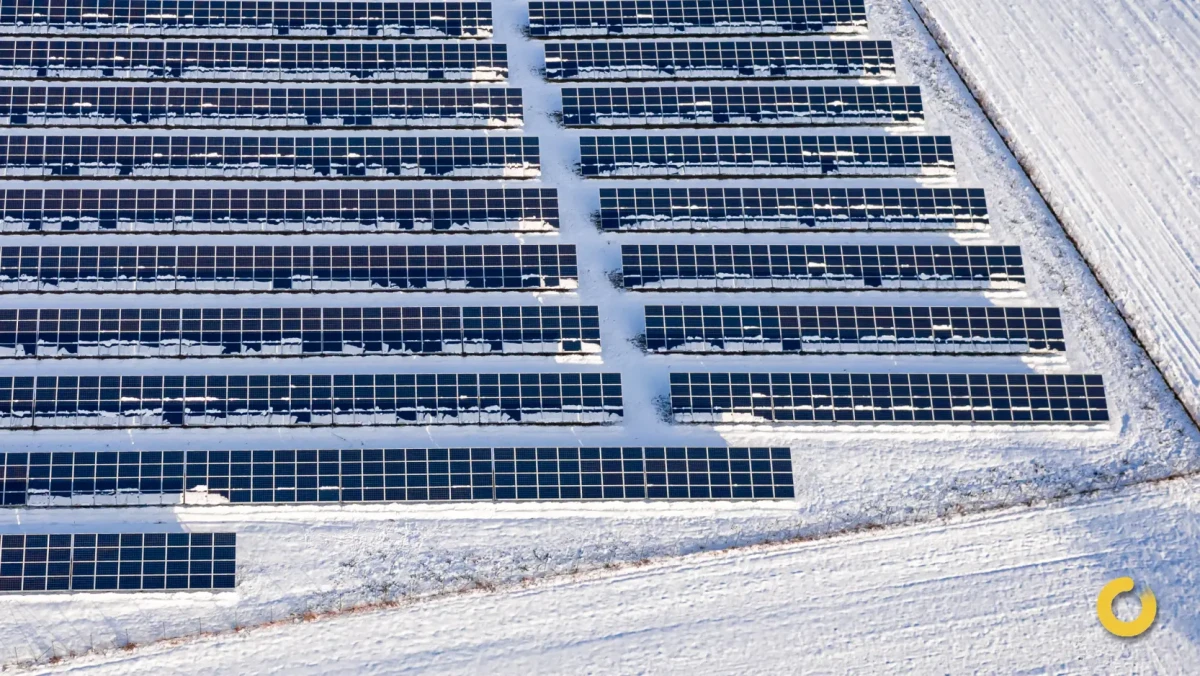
1101,100
1005,593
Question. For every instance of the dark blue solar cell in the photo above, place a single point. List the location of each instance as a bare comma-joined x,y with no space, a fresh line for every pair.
703,17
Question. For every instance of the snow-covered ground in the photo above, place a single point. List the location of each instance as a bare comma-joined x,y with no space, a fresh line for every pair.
1100,100
1009,593
298,559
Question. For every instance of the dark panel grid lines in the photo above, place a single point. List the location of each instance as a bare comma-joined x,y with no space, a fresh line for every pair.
734,105
770,329
117,562
741,267
646,156
710,59
811,398
248,18
566,18
310,331
248,269
459,157
252,61
317,210
782,209
193,106
125,402
397,475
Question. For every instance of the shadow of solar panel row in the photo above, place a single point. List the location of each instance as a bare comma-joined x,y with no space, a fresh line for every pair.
694,17
772,329
720,105
310,400
395,475
317,210
253,61
171,106
760,267
613,156
301,332
192,18
778,209
78,562
246,269
270,156
887,398
712,59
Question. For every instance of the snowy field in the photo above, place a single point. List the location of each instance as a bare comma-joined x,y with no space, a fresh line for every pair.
297,560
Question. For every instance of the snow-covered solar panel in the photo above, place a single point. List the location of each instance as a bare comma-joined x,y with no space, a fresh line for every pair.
887,398
735,105
243,106
396,475
756,329
106,562
620,156
309,400
298,331
248,18
117,155
566,18
751,267
316,210
710,59
249,269
771,209
291,60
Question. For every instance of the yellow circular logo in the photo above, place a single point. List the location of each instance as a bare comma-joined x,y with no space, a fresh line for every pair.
1135,627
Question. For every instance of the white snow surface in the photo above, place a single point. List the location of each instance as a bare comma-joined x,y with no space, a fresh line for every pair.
1100,100
295,559
1009,593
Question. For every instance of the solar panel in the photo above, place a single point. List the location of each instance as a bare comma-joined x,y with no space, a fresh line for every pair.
395,475
81,562
309,400
729,267
617,156
887,398
725,59
696,17
733,105
270,156
317,210
292,60
781,209
307,331
192,106
775,329
248,18
246,269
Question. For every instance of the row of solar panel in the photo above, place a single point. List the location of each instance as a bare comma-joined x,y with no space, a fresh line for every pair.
271,156
887,398
173,106
705,17
278,210
293,268
734,105
617,156
754,329
472,209
711,59
248,17
310,331
310,400
266,61
396,475
78,562
509,267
